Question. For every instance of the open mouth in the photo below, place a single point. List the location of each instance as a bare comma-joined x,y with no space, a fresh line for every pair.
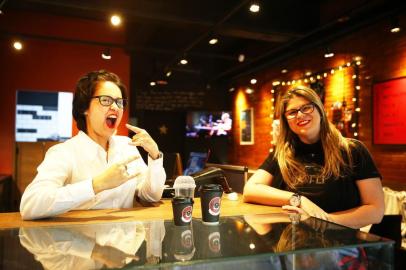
111,121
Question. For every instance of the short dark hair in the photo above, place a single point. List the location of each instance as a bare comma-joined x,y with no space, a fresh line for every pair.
85,88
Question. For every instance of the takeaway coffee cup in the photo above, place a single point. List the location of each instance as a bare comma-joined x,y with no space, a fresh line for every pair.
210,198
182,210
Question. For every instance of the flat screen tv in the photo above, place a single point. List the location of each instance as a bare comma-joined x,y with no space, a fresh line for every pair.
43,116
208,124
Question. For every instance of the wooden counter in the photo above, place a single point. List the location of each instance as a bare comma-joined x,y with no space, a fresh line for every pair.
156,211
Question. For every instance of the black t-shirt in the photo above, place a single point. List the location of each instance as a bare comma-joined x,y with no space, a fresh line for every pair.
333,194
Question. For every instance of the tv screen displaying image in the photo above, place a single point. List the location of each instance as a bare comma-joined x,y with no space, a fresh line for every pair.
43,116
207,124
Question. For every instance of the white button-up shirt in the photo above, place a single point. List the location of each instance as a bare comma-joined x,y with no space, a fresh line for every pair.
64,178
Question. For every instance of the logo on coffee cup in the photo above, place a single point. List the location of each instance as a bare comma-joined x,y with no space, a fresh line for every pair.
214,242
214,206
187,239
187,214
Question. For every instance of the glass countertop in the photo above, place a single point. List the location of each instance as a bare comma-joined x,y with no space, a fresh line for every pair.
271,241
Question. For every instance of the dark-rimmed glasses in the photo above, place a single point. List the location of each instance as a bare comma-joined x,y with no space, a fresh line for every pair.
305,109
107,101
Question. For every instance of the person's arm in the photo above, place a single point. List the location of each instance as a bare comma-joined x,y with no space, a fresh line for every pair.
258,190
152,186
371,209
47,195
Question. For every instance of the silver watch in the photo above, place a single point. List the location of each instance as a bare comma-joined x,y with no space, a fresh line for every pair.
295,200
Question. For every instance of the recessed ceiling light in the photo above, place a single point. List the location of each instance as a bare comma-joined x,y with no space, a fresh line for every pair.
183,61
152,83
231,89
106,54
18,45
395,27
254,8
213,41
241,58
168,73
115,20
253,81
308,73
328,53
249,91
284,71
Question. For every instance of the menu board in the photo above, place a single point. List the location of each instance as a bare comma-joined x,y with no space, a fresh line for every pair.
389,112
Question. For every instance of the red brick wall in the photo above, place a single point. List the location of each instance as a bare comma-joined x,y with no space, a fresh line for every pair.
383,57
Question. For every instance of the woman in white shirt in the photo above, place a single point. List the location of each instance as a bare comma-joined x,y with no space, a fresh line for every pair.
96,169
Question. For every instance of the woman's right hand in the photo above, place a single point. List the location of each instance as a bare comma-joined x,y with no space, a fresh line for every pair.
309,208
114,176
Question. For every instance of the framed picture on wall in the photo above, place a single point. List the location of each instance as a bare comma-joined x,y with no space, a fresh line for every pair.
389,112
247,127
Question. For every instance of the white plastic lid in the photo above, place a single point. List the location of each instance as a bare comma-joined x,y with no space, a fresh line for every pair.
184,181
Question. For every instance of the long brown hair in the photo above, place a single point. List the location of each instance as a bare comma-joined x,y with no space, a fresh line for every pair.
333,143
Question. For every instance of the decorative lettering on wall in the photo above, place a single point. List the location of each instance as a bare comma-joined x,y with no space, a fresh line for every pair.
170,100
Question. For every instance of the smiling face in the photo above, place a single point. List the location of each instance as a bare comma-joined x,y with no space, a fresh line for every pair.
102,121
305,125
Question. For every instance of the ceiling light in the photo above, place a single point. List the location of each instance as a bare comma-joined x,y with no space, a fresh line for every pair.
328,53
253,81
18,45
308,73
395,27
231,89
183,61
168,73
213,41
275,83
249,91
115,20
254,8
106,54
152,83
284,71
241,58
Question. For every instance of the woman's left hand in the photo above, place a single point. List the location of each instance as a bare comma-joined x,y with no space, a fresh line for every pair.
143,139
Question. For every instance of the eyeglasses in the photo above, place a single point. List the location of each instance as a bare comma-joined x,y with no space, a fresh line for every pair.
107,101
305,109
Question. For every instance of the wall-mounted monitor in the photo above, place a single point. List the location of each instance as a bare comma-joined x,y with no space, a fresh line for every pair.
204,124
43,116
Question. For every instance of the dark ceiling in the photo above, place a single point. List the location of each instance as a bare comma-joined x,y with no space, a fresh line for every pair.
161,32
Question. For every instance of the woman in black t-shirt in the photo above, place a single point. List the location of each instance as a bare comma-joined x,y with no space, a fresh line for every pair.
315,170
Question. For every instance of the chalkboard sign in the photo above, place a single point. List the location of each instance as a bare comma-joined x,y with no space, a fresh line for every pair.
389,112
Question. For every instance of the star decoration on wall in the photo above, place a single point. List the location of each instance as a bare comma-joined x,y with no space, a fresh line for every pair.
163,130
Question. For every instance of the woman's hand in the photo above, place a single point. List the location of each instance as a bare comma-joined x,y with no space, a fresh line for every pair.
143,139
309,208
114,176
